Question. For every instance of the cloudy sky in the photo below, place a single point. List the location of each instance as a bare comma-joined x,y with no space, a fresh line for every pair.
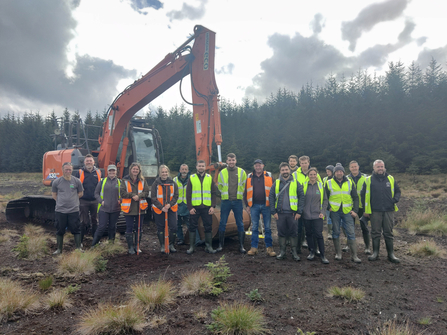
80,54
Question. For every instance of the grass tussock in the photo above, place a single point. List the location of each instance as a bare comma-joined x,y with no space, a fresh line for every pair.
238,318
78,263
157,321
32,230
31,247
394,328
70,289
427,248
153,296
199,282
6,234
110,249
112,320
45,284
348,293
58,299
14,298
426,221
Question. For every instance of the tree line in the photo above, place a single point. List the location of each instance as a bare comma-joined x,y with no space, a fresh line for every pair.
399,117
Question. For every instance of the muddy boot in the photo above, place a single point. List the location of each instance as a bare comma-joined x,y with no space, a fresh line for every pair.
324,260
172,238
390,250
112,237
345,248
270,252
139,242
161,239
317,249
77,240
294,244
376,249
353,246
129,239
311,256
241,235
367,244
282,248
60,244
253,251
209,243
192,240
329,231
337,248
221,241
298,247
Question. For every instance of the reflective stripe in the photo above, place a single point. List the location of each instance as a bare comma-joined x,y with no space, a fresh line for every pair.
101,194
223,184
201,191
340,196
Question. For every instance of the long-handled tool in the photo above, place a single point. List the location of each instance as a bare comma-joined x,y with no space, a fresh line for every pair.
261,224
167,186
139,229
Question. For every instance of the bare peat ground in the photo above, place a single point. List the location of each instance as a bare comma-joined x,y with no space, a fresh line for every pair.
295,293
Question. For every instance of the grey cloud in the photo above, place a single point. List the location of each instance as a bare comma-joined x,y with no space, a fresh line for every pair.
226,69
139,5
317,24
426,55
369,17
34,36
421,40
188,12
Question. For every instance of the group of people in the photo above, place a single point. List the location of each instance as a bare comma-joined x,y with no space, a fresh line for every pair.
299,200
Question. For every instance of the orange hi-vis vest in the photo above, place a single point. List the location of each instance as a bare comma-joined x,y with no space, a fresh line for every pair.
81,175
160,198
125,204
268,182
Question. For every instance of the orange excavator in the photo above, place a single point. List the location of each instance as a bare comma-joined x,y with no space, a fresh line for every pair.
124,140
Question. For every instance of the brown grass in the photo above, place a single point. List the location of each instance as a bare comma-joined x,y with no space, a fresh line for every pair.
153,296
199,282
157,321
393,328
14,298
6,234
58,299
77,263
427,248
348,293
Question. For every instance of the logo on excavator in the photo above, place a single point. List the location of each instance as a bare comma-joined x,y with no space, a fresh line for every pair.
206,54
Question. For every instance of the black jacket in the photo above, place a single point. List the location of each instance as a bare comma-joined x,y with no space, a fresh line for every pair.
381,199
90,182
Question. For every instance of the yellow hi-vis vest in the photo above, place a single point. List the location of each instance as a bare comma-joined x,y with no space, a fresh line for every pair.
301,178
223,183
340,195
201,192
359,186
181,191
368,194
125,204
293,198
102,190
320,188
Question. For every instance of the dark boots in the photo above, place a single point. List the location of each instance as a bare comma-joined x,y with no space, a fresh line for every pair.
282,248
241,235
192,240
294,245
367,244
390,250
172,238
77,240
337,248
376,249
60,244
353,247
129,239
137,242
221,241
209,243
161,239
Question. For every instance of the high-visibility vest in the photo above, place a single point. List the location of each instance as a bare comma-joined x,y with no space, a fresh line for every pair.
81,175
368,194
102,190
302,178
125,204
293,198
359,186
268,182
201,192
325,179
181,191
320,188
223,183
340,196
161,199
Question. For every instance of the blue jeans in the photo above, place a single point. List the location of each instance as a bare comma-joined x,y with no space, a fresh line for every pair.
328,215
256,210
225,207
339,219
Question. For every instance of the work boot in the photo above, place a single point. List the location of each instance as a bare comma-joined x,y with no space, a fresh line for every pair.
139,242
129,239
60,244
161,239
345,248
317,249
324,260
376,249
209,243
221,241
282,248
329,231
353,246
366,240
271,252
390,250
77,240
298,248
111,237
192,247
337,248
294,244
172,238
241,235
311,256
253,251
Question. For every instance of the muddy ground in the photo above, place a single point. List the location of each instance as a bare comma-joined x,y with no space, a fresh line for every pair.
295,293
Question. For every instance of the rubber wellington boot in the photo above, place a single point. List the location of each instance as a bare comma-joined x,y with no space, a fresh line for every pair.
161,239
221,241
241,235
324,260
282,248
337,248
172,238
129,239
77,239
311,256
60,244
294,244
316,248
209,243
353,247
329,231
367,244
139,242
390,250
192,240
376,249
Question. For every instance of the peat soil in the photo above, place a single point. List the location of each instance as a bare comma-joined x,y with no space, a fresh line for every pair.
295,293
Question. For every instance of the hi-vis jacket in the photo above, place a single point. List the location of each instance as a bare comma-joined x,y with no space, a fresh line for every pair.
223,183
268,182
359,184
162,190
291,200
181,190
127,190
344,196
108,190
89,181
299,176
380,193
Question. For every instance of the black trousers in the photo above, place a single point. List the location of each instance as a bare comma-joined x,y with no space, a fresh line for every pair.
64,220
314,229
132,223
287,225
207,220
160,221
88,210
107,221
